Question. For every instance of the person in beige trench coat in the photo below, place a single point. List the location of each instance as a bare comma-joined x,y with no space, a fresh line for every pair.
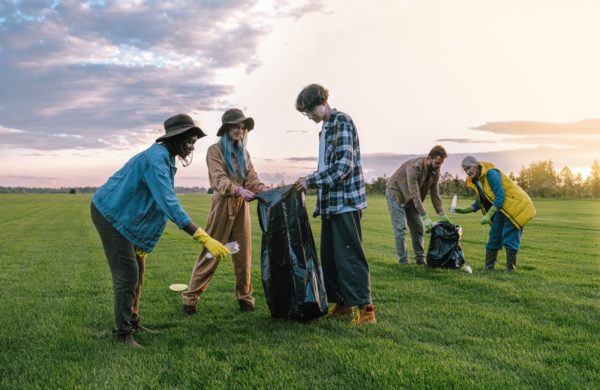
234,184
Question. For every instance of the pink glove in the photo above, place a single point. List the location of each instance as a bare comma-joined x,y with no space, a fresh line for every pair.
244,193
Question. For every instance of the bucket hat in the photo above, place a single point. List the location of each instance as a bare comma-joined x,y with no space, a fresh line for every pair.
179,124
233,116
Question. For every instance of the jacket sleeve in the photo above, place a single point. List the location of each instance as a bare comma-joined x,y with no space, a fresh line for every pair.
218,173
157,178
434,194
252,182
342,160
412,179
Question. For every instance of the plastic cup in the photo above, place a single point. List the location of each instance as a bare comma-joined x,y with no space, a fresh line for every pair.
233,247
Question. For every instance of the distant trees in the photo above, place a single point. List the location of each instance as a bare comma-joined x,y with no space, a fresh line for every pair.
539,180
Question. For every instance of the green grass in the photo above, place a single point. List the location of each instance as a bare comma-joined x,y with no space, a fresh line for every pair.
536,328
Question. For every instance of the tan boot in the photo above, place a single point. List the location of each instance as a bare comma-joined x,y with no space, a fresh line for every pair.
337,310
137,326
128,340
365,315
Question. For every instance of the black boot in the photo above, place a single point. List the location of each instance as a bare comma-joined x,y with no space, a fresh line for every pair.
490,259
511,260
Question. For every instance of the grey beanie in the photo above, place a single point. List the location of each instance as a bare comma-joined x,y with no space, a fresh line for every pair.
469,161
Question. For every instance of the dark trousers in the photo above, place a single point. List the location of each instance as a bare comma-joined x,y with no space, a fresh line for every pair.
345,267
124,268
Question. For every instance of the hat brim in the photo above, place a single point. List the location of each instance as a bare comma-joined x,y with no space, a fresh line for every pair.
174,133
249,125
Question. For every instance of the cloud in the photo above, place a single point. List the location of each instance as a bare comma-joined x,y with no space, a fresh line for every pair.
96,74
296,131
463,141
589,127
302,159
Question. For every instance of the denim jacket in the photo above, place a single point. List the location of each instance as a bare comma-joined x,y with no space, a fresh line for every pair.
139,198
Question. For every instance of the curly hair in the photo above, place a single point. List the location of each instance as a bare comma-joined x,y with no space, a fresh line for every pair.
310,97
176,146
438,151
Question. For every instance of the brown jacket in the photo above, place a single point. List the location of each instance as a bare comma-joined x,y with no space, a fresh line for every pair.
412,181
224,184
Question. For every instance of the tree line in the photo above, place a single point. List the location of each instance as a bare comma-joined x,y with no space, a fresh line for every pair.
539,180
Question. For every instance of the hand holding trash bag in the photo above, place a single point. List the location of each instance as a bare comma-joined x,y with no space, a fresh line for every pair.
215,247
244,193
487,218
464,210
445,218
300,184
427,223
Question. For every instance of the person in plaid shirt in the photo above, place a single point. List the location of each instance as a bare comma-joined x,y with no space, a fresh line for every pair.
340,200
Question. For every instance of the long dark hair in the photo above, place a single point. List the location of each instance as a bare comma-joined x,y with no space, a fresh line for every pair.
176,146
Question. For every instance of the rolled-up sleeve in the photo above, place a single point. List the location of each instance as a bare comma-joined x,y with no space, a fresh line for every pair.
158,179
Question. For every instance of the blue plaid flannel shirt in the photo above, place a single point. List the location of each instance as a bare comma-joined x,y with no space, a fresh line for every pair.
342,182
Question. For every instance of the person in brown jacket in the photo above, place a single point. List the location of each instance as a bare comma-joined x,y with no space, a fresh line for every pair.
234,182
406,191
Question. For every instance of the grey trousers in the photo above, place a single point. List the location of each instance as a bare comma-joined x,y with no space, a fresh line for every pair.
403,215
345,268
123,264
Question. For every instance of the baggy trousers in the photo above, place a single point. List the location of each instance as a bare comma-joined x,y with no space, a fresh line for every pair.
503,233
401,216
345,268
229,220
124,268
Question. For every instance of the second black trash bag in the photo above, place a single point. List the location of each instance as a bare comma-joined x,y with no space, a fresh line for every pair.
444,246
291,273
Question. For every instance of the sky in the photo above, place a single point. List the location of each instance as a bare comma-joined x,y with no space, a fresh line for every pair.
86,85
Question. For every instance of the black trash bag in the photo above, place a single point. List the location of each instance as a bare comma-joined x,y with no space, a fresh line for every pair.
291,273
444,246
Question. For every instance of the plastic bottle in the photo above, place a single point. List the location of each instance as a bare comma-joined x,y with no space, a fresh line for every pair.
233,247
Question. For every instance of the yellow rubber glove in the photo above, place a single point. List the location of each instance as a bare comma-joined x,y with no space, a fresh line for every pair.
487,218
141,253
217,249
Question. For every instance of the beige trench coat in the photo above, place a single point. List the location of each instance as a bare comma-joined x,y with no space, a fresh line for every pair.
228,220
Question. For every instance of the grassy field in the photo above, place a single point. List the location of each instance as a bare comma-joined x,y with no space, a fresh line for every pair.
536,328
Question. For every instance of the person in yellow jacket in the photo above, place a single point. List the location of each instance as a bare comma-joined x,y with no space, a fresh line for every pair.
505,205
234,181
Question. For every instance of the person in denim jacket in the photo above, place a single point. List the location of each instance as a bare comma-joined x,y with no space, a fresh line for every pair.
131,209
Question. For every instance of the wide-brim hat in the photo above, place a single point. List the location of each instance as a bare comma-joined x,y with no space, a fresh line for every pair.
179,124
234,116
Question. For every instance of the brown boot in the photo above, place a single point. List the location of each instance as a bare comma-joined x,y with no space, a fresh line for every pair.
188,309
245,305
365,315
128,340
137,326
337,310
